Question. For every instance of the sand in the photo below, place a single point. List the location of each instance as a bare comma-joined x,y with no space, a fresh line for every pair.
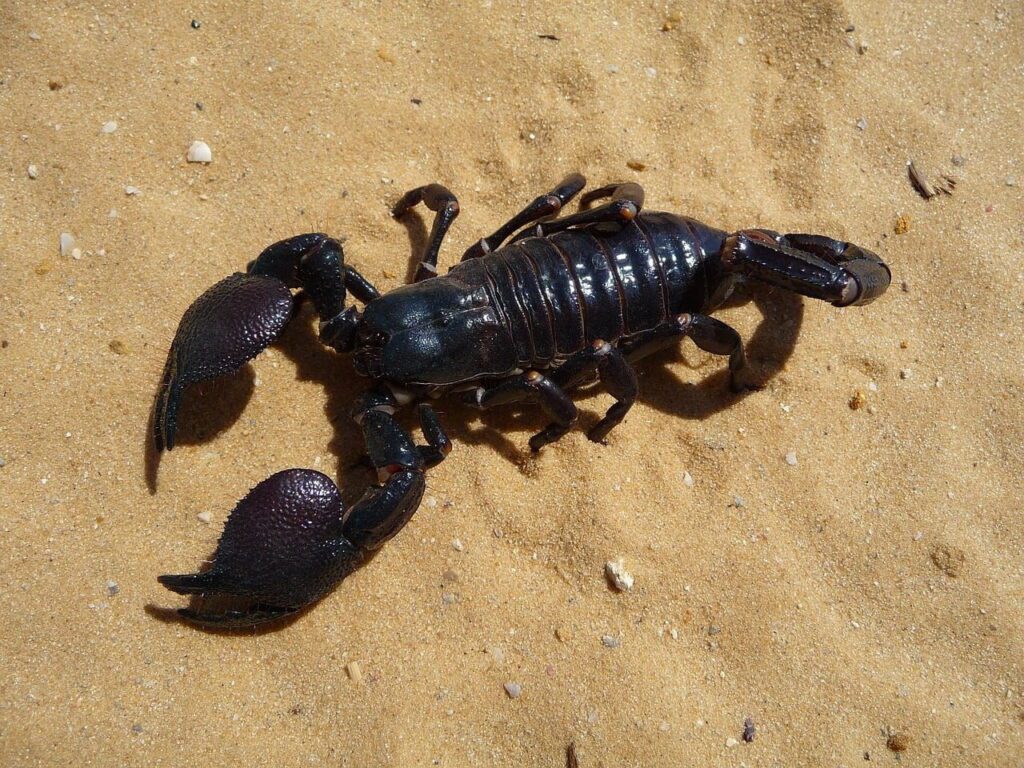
867,598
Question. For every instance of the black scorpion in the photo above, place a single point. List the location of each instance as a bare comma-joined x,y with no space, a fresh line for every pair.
567,300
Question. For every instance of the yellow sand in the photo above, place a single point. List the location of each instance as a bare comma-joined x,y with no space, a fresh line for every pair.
875,589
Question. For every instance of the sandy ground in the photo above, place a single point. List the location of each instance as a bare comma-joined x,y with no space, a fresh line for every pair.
871,593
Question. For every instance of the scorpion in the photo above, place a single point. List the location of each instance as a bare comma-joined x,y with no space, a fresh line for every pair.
565,301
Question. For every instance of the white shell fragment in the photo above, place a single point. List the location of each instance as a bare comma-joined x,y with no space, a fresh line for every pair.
33,172
200,152
67,243
110,126
617,574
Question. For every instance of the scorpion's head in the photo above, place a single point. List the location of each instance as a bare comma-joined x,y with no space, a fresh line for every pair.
434,333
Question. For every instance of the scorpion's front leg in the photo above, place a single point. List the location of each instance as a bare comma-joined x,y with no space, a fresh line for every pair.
290,541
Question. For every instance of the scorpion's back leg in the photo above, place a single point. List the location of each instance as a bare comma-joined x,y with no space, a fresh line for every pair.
446,207
820,267
541,208
708,333
627,200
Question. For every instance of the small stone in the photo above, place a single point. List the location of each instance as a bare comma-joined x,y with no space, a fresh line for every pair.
791,458
496,653
850,28
562,634
195,24
898,742
354,672
902,225
67,243
457,545
431,502
204,517
33,172
118,347
862,47
513,690
959,161
650,72
76,253
199,152
738,502
636,165
687,479
714,630
449,598
731,742
1011,181
858,401
137,728
109,127
664,726
862,124
112,588
741,40
610,641
749,731
3,461
618,576
131,192
612,69
905,373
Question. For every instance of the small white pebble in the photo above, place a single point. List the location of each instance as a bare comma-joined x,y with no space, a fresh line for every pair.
112,214
513,690
132,191
791,458
1011,181
862,124
449,598
919,535
67,243
200,152
741,40
204,517
457,545
355,672
76,253
33,172
610,641
786,408
873,386
731,742
496,653
112,588
855,625
698,723
664,727
34,36
617,574
738,502
431,502
651,72
687,479
612,69
109,127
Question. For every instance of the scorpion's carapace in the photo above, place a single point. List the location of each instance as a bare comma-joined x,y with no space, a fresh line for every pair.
564,301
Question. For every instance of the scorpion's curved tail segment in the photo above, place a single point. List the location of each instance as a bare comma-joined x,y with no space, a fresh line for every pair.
820,267
290,541
243,314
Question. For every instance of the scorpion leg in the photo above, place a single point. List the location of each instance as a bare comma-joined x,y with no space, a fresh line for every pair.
446,207
820,267
709,334
542,207
615,373
626,202
531,386
290,541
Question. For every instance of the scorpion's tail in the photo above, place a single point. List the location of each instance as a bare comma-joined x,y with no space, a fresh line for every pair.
832,270
243,314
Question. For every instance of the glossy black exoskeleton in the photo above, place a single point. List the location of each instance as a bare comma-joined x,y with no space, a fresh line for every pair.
566,301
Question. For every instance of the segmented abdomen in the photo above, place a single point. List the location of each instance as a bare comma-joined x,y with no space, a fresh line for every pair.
559,293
